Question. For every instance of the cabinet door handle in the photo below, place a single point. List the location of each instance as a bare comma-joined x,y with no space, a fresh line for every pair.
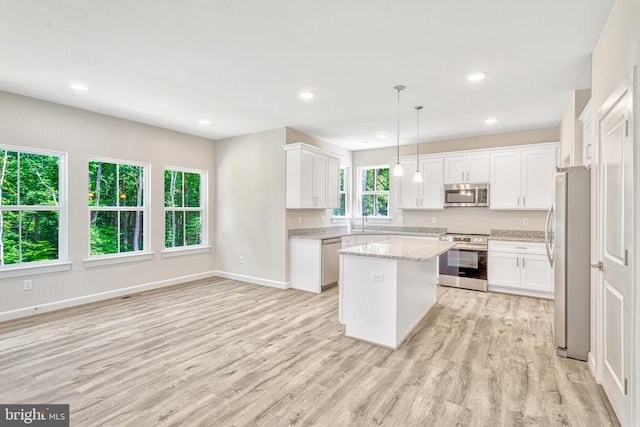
467,176
517,262
523,266
524,201
462,176
518,200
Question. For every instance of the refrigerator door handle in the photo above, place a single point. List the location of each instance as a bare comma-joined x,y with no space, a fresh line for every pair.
548,236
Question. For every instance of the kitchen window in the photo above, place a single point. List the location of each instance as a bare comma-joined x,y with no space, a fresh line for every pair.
374,191
118,207
184,207
344,175
32,209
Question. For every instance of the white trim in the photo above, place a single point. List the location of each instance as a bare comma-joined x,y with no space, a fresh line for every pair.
29,269
86,299
121,258
254,280
591,364
184,251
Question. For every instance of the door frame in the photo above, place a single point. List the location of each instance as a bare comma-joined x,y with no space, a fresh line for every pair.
633,407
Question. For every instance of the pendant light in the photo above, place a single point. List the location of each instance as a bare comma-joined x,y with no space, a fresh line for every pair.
397,170
418,176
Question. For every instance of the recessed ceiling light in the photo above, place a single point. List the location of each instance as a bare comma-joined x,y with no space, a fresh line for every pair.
491,121
204,122
476,76
79,87
366,142
306,95
383,135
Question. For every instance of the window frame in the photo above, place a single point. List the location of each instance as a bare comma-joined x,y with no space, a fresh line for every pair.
121,257
362,193
46,266
204,211
346,180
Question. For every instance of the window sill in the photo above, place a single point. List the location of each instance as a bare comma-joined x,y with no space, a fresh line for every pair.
103,260
185,251
39,268
378,220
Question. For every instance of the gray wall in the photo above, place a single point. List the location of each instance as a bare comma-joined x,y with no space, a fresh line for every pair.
250,201
31,123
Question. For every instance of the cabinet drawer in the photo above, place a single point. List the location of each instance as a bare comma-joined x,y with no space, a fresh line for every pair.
517,247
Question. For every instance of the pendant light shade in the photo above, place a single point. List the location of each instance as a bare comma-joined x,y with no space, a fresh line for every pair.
417,177
397,170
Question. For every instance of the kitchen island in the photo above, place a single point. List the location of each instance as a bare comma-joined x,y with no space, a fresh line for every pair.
387,287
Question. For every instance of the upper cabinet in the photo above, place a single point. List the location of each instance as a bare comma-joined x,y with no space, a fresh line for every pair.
522,178
467,168
427,194
312,177
585,118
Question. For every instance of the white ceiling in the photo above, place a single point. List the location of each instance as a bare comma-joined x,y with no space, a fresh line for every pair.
241,63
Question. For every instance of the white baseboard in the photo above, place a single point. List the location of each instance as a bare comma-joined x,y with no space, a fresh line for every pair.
591,363
86,299
254,280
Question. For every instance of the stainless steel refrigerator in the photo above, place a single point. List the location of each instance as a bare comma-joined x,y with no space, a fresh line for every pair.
567,236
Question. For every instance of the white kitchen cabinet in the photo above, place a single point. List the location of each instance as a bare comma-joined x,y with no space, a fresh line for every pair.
467,168
427,194
311,175
522,178
520,268
313,263
333,183
585,118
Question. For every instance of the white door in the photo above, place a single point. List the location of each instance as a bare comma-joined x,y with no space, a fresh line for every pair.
408,191
432,187
320,180
616,171
455,168
505,180
538,168
478,166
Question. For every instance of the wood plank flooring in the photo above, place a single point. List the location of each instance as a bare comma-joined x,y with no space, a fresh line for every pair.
226,353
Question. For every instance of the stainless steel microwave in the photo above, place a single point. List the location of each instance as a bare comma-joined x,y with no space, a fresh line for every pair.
466,195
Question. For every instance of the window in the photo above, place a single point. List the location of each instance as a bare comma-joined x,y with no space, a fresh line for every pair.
184,207
344,175
117,207
374,191
31,200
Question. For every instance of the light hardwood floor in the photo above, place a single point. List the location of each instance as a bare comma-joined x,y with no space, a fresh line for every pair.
226,353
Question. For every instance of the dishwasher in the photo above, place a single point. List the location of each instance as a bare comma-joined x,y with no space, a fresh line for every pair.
330,262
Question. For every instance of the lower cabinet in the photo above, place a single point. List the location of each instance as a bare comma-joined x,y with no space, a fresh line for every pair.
520,268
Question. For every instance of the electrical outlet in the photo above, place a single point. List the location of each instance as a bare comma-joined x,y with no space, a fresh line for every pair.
400,219
299,220
525,221
28,285
322,218
241,260
434,219
377,277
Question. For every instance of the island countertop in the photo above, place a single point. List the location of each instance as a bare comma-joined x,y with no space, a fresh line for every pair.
401,249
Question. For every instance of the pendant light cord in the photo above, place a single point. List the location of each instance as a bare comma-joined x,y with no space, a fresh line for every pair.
398,88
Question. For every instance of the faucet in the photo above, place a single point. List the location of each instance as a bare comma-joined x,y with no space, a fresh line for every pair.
364,219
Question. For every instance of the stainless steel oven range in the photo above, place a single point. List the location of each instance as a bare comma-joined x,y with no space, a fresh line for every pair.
465,265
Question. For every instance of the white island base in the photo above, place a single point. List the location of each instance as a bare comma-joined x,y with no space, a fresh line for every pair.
382,300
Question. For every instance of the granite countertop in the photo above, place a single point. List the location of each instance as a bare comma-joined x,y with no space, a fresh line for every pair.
518,235
401,249
333,232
